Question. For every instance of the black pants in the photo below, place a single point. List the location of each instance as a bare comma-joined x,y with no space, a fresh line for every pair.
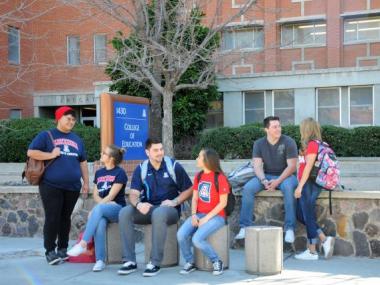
58,205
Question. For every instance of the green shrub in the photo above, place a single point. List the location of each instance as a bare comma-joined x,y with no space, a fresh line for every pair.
16,135
237,142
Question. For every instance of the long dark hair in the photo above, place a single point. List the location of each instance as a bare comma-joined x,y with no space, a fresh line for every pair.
211,160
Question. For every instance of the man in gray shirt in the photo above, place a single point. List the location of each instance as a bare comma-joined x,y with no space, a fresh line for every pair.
275,161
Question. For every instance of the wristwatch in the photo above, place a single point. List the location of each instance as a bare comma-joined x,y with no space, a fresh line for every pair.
263,180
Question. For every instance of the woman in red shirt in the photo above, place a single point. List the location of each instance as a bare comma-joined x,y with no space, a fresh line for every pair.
308,191
210,193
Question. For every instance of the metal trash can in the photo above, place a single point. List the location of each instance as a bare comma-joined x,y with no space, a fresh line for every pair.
263,250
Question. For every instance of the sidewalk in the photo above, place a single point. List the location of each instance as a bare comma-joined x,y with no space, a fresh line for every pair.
22,261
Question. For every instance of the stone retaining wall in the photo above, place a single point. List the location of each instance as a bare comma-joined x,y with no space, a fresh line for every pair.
355,220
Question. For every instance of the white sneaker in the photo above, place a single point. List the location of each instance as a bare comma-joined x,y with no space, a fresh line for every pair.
99,266
241,234
307,255
76,250
328,247
289,236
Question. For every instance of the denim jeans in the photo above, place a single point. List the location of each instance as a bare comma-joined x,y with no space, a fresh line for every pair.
306,210
188,234
254,186
96,226
159,216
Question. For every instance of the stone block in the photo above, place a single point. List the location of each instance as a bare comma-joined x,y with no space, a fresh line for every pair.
361,244
343,248
171,252
263,250
220,241
113,244
360,220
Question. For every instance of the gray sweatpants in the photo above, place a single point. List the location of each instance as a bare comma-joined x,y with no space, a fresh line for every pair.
159,216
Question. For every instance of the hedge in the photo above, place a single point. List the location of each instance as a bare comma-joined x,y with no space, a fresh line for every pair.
232,143
16,135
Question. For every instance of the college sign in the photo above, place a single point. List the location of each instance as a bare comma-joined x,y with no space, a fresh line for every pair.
125,122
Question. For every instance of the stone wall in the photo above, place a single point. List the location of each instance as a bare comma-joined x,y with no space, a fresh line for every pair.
355,220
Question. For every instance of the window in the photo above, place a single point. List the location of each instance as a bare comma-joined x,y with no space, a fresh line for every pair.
254,105
298,35
283,105
73,50
328,106
100,49
362,30
15,114
214,117
361,105
248,38
13,45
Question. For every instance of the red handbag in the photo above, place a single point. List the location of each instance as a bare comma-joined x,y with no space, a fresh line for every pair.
88,256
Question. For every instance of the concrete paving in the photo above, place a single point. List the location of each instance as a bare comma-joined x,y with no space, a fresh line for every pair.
22,262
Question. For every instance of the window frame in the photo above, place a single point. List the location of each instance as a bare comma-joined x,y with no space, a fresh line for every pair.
294,103
349,105
105,49
340,102
293,42
234,41
18,45
244,109
10,114
68,50
357,41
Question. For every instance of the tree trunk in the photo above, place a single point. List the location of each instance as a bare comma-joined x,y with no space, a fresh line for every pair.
155,122
167,123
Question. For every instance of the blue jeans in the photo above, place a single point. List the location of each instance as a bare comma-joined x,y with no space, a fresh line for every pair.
96,226
306,210
254,186
188,234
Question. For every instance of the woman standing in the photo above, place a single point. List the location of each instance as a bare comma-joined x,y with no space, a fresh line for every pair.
61,183
308,191
210,193
109,194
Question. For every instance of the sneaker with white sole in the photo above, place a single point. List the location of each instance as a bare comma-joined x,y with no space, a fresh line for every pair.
217,267
151,270
289,236
241,234
99,266
52,258
307,255
188,268
76,250
328,247
127,268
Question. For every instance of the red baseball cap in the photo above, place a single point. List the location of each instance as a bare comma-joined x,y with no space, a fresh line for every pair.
61,111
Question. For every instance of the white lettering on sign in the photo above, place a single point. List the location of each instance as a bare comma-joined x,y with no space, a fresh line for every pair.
131,144
121,111
129,127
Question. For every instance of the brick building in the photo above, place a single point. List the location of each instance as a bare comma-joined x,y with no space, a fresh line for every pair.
292,58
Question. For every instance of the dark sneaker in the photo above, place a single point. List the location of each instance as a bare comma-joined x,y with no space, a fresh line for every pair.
127,268
151,270
188,268
217,267
62,253
52,258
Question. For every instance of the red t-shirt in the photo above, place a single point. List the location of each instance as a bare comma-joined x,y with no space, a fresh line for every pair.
208,196
312,148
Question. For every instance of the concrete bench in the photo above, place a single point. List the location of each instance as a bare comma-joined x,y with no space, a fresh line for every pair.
114,248
220,241
263,250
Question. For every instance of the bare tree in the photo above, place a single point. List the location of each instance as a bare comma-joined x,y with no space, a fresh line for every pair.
158,58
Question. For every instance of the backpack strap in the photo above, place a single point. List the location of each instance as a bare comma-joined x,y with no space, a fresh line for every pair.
216,181
144,169
52,140
170,166
330,202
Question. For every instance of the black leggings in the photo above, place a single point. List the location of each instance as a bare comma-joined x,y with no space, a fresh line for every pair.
58,205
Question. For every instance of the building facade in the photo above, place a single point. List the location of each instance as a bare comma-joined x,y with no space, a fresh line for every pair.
291,58
303,58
